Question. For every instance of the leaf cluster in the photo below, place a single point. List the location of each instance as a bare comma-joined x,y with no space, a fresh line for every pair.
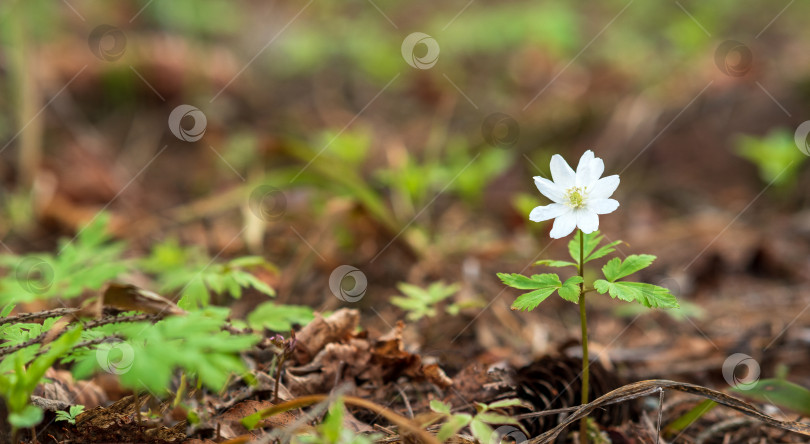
84,263
421,302
480,424
544,285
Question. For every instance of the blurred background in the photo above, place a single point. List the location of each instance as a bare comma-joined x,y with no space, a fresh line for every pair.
401,139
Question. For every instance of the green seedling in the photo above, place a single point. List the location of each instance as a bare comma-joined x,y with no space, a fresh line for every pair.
579,197
71,414
421,302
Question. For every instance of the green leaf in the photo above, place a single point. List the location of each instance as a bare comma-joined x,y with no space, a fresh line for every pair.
530,301
251,421
481,430
617,269
601,285
513,402
543,284
591,241
420,302
557,264
570,289
689,417
521,282
279,317
439,407
602,251
453,425
495,418
649,295
779,392
26,418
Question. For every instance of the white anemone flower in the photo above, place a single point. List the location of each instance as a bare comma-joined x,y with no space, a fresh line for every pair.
578,197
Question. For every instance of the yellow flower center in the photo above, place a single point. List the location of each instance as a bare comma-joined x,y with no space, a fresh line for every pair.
575,197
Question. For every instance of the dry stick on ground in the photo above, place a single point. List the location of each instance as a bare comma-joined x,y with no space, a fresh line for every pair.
399,420
92,324
38,315
646,388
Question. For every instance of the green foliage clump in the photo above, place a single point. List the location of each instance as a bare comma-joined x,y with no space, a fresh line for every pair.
279,317
84,263
480,424
776,156
196,276
195,343
18,379
420,302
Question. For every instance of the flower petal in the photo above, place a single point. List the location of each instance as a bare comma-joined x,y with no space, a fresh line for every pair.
603,206
562,174
604,187
549,189
595,172
584,168
547,212
587,221
564,225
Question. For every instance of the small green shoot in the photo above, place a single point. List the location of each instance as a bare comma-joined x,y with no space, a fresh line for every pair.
333,431
71,414
421,302
86,263
775,155
480,424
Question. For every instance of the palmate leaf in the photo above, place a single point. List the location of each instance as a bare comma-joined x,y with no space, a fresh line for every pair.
649,295
151,353
544,285
592,240
617,268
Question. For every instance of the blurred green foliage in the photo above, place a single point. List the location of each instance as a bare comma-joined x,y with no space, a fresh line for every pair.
776,156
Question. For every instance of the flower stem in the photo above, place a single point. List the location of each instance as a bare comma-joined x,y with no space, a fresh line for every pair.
583,423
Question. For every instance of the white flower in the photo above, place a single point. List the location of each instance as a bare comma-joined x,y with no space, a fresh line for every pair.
578,197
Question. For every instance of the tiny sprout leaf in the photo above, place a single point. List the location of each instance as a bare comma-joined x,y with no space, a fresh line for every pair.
553,263
453,425
251,421
617,269
481,430
439,407
513,402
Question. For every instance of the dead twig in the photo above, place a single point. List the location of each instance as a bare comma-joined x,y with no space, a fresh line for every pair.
646,388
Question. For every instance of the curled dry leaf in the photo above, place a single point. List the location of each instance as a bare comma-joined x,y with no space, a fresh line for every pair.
129,297
321,331
330,354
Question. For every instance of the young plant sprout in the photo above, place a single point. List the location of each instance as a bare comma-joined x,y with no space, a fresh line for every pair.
578,198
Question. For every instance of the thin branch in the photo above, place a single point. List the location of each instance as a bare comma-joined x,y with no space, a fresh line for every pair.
38,315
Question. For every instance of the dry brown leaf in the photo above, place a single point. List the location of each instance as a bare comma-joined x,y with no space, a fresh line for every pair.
321,331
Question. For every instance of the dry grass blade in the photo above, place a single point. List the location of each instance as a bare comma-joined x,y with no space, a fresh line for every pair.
645,388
